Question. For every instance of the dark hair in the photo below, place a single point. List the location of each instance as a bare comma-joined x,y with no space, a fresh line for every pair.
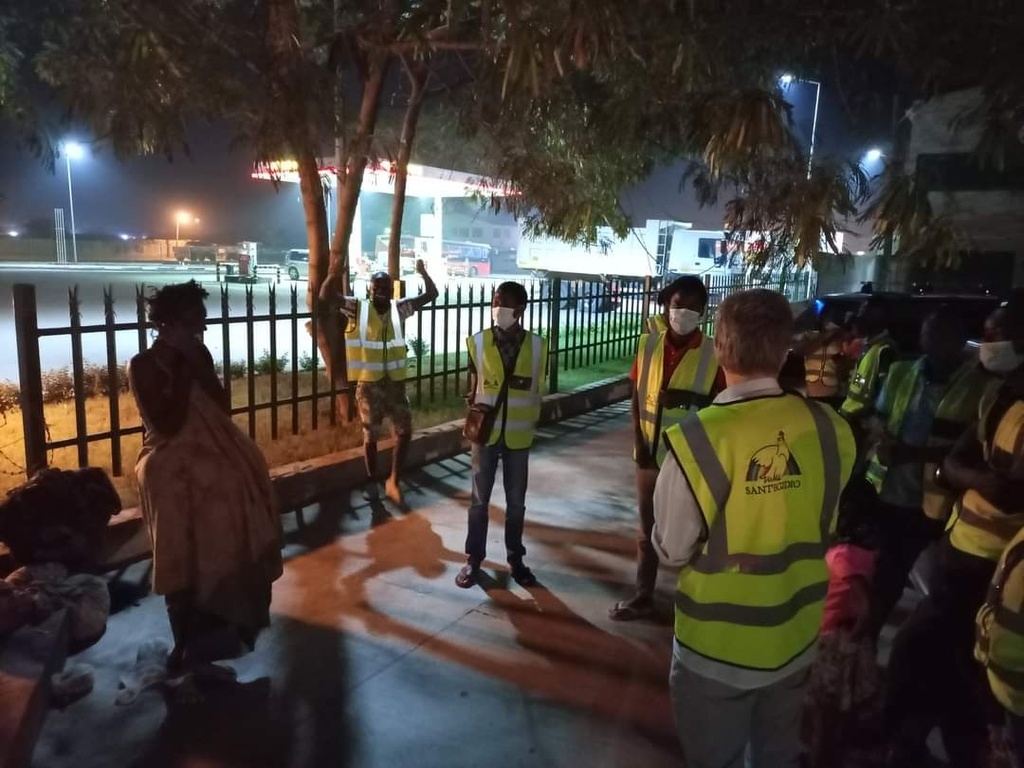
689,284
166,305
858,522
516,290
379,276
945,322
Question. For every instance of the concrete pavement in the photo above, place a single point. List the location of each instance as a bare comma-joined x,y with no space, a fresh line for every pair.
376,658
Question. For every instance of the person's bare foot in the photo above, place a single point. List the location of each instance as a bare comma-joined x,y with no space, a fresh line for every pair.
394,493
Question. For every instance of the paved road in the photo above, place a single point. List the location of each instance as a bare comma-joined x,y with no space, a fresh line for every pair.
54,281
375,658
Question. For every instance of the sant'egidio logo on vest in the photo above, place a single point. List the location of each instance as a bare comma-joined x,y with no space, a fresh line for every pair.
772,469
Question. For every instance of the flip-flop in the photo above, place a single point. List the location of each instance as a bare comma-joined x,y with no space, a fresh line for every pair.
624,610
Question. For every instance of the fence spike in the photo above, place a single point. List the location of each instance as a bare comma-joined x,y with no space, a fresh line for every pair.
108,304
74,304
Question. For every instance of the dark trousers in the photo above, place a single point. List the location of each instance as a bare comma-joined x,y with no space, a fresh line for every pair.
904,534
933,679
515,473
646,557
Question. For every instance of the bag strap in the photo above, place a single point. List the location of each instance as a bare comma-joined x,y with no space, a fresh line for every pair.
499,403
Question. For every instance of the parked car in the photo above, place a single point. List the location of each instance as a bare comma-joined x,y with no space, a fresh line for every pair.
296,263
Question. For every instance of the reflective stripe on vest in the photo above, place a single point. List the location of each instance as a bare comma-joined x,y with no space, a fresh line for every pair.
820,365
867,379
753,597
955,411
695,373
371,356
978,527
656,324
1000,629
519,416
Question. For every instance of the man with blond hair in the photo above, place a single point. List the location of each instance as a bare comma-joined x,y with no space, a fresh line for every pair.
745,507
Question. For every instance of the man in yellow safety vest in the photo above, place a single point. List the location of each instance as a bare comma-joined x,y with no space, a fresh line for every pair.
673,372
376,356
1000,640
879,352
931,672
745,505
922,409
508,366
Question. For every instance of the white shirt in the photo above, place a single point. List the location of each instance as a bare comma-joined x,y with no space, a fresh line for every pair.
679,533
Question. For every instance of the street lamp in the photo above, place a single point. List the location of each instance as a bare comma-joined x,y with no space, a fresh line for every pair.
182,217
72,151
786,80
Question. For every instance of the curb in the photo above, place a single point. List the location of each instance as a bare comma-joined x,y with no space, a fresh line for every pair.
301,483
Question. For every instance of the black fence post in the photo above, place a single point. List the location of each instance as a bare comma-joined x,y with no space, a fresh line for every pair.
645,306
113,382
26,329
554,341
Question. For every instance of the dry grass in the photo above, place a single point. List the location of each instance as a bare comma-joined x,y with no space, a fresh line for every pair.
305,443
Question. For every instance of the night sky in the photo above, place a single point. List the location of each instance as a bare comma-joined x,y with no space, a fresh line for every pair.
139,197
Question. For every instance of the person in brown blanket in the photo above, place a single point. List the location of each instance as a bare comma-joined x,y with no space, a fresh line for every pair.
205,492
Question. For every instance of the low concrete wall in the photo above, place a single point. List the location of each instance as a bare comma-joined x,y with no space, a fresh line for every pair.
302,483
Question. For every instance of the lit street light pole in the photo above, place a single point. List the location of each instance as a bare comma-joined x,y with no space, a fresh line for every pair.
72,151
786,80
182,217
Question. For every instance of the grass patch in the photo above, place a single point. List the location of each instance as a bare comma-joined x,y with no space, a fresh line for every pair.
306,442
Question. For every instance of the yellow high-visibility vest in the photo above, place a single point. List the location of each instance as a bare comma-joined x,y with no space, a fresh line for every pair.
820,365
867,380
956,410
518,419
1000,629
695,373
375,345
656,324
767,474
978,527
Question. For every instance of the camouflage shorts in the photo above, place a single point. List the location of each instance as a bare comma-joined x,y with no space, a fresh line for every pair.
377,399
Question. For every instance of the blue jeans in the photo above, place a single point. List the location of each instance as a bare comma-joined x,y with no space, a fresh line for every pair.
515,471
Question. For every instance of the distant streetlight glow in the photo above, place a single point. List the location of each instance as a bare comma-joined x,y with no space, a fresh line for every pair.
72,151
873,155
13,233
125,237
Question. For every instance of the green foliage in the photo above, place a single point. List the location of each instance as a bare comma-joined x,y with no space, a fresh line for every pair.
419,347
265,363
307,363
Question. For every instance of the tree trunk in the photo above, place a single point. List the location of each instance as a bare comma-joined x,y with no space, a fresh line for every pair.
418,80
350,182
289,86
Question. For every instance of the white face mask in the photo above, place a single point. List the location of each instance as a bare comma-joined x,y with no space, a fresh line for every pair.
683,321
999,356
503,317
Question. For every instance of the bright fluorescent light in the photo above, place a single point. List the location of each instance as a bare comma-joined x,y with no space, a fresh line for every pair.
74,150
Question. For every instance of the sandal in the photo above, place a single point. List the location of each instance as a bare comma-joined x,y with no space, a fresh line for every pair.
631,610
467,576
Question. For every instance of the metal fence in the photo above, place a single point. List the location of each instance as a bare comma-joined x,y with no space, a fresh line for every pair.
267,352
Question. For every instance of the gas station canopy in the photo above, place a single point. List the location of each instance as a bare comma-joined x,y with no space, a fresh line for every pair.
423,180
